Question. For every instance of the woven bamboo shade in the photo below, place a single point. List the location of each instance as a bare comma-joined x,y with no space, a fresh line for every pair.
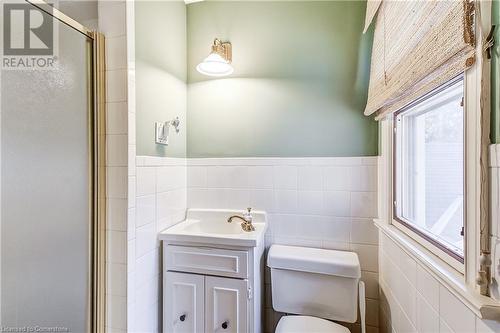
417,46
371,10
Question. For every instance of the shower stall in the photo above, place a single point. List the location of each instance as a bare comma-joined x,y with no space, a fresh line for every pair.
52,162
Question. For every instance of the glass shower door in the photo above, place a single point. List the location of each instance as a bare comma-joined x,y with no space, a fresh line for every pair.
46,193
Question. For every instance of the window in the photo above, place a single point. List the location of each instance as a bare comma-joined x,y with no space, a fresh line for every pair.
429,169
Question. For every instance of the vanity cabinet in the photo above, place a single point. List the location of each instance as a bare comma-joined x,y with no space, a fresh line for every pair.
226,305
212,290
183,302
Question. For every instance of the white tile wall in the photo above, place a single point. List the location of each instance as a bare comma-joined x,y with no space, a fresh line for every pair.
112,22
160,202
411,300
320,202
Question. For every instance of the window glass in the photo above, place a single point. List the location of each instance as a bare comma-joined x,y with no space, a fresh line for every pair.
429,145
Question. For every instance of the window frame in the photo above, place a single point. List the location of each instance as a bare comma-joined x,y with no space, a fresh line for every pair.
462,284
446,254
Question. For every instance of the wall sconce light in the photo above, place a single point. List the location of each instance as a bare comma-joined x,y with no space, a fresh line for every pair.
218,62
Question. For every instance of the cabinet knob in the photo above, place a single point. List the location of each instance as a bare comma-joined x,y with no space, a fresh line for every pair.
182,318
224,325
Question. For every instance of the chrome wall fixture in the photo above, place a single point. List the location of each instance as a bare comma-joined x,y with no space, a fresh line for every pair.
218,62
162,130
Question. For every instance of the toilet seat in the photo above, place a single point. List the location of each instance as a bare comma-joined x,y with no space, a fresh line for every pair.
308,324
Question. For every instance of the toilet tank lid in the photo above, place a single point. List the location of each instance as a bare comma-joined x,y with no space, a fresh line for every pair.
306,259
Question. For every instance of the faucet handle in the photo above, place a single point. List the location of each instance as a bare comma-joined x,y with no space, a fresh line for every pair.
248,215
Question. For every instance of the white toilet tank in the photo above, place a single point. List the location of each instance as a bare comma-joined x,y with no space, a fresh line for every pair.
315,282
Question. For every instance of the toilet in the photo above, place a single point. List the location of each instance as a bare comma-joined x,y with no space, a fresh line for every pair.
315,286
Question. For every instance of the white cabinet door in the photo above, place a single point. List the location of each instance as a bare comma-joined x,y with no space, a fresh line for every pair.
226,305
183,303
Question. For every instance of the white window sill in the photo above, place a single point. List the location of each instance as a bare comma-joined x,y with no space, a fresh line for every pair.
484,307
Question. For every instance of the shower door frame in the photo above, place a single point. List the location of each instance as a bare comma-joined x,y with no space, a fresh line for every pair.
97,168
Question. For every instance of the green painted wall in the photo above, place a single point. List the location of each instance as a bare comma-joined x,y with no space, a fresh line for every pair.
160,28
299,86
495,76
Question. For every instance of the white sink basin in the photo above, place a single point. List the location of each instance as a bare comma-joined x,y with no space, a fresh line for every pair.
210,226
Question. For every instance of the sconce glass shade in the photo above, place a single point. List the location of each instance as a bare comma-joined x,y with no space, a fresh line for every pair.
215,65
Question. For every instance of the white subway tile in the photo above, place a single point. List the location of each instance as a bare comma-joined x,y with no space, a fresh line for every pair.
146,319
260,177
337,178
148,292
163,206
117,214
116,57
206,198
428,287
131,288
368,256
116,85
262,200
310,178
145,209
132,183
333,245
116,178
409,267
131,131
372,312
236,199
197,176
197,198
363,204
336,229
227,177
146,181
285,177
309,227
285,201
170,178
297,241
364,178
117,247
444,328
131,225
112,20
456,315
284,225
116,118
116,279
116,312
310,202
404,324
146,239
148,267
237,177
132,150
427,318
131,255
371,284
406,296
337,203
487,326
363,231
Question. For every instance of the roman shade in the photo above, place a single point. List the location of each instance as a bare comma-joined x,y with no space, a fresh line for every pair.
417,46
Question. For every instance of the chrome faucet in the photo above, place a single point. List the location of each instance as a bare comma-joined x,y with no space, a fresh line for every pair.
247,219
